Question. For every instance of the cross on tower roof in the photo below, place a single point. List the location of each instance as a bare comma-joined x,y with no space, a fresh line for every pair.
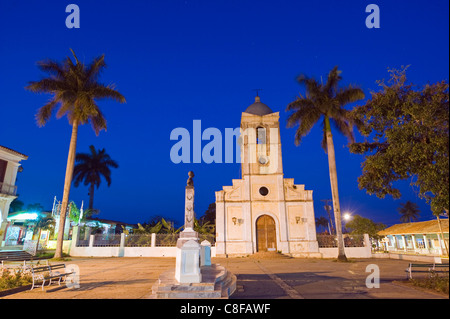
257,91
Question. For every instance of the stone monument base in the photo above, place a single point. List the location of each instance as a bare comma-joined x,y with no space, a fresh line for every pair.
217,283
185,236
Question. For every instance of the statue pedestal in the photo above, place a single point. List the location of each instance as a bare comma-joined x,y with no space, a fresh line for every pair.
187,268
187,235
217,283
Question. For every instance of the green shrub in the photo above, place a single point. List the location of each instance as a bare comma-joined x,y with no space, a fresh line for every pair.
433,282
14,278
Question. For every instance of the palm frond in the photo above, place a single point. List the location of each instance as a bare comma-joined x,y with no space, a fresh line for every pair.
96,66
103,92
332,82
349,94
98,122
45,112
344,127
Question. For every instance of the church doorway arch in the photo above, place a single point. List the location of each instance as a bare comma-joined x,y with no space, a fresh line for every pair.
266,235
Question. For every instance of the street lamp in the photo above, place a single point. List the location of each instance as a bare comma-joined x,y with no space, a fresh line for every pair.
347,216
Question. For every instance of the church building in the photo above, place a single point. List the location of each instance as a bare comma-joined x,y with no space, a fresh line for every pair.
264,211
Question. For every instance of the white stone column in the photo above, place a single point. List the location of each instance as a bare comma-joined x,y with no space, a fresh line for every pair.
220,224
440,244
414,242
153,240
188,233
91,241
404,243
75,232
425,240
122,245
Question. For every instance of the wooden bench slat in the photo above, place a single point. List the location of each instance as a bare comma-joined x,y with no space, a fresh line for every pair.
431,267
51,275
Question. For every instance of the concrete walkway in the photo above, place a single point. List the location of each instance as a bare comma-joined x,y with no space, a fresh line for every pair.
283,278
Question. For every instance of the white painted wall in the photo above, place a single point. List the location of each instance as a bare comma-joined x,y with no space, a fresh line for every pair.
127,251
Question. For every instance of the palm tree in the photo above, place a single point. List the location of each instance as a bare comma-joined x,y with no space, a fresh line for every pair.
326,102
322,222
90,168
409,212
75,88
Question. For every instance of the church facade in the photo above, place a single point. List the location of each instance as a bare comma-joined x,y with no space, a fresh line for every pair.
263,211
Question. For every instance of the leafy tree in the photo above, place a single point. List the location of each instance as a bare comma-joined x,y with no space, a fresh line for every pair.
210,214
361,225
75,88
406,137
409,212
148,229
74,212
90,169
202,227
169,228
156,219
16,206
326,102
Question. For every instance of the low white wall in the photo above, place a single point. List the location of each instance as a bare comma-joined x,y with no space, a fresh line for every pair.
426,259
150,252
127,252
94,251
350,252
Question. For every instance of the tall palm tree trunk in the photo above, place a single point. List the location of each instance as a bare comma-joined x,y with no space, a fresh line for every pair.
67,183
334,190
91,196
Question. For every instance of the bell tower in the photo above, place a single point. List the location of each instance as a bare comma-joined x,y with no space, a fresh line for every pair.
260,140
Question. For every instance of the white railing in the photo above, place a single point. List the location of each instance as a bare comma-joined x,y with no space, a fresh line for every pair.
8,189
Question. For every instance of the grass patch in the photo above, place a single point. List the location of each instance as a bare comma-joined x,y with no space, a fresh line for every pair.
50,255
60,259
433,282
344,261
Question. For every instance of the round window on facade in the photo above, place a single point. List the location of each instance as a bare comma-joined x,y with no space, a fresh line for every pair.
264,191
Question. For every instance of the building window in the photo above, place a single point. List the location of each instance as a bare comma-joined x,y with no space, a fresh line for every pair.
264,191
3,165
260,135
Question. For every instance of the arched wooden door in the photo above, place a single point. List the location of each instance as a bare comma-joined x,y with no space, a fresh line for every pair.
266,236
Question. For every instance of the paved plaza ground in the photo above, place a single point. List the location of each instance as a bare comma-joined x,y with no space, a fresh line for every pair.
278,278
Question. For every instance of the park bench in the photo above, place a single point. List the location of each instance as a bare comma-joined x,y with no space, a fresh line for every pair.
428,268
49,273
25,265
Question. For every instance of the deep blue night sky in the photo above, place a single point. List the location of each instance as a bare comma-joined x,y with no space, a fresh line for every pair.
177,61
